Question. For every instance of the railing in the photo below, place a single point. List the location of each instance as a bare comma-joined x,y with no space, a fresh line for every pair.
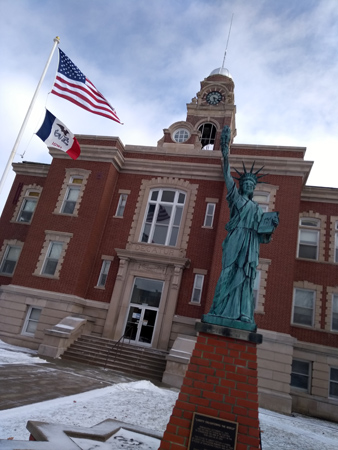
118,345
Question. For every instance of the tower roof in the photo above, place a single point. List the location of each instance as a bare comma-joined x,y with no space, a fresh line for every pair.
221,71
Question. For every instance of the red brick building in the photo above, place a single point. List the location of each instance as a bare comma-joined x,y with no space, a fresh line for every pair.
129,238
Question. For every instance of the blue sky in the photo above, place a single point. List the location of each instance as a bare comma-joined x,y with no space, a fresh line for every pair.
148,57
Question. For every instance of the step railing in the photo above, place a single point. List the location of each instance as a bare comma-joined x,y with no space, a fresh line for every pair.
118,345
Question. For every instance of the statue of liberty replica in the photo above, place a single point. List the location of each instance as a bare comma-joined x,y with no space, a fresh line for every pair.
248,227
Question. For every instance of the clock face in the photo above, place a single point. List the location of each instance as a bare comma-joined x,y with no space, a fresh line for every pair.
214,97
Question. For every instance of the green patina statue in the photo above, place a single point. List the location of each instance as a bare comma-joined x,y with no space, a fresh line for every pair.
233,303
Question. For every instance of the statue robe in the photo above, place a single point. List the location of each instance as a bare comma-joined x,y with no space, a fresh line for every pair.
234,291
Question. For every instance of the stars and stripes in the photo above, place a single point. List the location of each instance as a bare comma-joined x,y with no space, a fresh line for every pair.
71,84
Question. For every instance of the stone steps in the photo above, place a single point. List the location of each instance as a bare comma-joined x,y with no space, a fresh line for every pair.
130,359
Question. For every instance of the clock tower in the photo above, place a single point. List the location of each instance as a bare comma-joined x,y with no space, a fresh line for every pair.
207,114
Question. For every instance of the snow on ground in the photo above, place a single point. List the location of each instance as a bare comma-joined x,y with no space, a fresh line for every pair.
10,354
142,403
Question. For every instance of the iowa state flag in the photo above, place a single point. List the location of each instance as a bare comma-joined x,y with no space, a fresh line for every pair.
55,134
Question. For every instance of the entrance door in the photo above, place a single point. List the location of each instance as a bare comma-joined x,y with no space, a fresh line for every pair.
142,314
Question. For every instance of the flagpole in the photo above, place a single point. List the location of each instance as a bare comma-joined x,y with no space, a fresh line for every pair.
23,126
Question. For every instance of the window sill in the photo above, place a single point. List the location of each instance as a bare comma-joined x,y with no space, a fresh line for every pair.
306,327
21,223
43,275
6,275
194,303
101,288
65,214
207,228
117,217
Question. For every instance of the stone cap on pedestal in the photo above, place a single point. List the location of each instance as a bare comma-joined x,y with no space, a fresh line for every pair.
234,333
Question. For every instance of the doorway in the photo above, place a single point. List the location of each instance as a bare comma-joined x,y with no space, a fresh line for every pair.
143,309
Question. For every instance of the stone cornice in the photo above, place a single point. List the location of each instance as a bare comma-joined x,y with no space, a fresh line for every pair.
268,148
319,194
30,168
272,165
94,153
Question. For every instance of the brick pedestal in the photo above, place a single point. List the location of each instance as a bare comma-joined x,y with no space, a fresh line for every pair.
221,381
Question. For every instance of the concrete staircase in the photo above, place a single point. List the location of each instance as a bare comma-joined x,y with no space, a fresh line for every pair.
142,362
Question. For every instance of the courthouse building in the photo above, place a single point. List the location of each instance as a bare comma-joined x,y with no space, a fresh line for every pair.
129,238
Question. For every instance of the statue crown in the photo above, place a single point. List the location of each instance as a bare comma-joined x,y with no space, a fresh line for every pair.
252,176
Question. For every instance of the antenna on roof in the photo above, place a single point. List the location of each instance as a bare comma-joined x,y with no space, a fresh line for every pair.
226,48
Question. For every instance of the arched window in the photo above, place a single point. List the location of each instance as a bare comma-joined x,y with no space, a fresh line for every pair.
208,134
163,217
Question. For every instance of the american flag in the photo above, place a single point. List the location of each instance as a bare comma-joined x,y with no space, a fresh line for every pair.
74,86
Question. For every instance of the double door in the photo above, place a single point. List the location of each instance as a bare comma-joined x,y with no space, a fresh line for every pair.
143,310
140,324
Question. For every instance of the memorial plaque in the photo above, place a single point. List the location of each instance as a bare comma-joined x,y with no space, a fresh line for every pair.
210,433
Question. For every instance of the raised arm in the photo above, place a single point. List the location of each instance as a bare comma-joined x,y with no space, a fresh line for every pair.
225,141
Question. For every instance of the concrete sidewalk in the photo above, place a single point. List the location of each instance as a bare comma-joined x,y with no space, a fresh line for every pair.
26,384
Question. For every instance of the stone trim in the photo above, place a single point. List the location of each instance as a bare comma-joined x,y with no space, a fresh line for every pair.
24,191
53,236
84,174
330,292
142,202
263,266
333,231
306,285
322,233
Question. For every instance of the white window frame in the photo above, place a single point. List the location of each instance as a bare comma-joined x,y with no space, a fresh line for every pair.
331,381
5,259
181,135
121,205
209,215
49,259
334,311
101,282
308,375
312,229
29,320
157,203
256,287
196,295
28,197
294,306
72,187
264,202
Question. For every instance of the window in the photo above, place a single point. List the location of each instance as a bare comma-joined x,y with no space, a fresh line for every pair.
52,258
197,289
263,199
10,259
208,134
104,273
209,215
256,286
28,206
31,321
121,205
303,307
72,195
163,217
300,374
334,324
181,135
333,382
308,238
